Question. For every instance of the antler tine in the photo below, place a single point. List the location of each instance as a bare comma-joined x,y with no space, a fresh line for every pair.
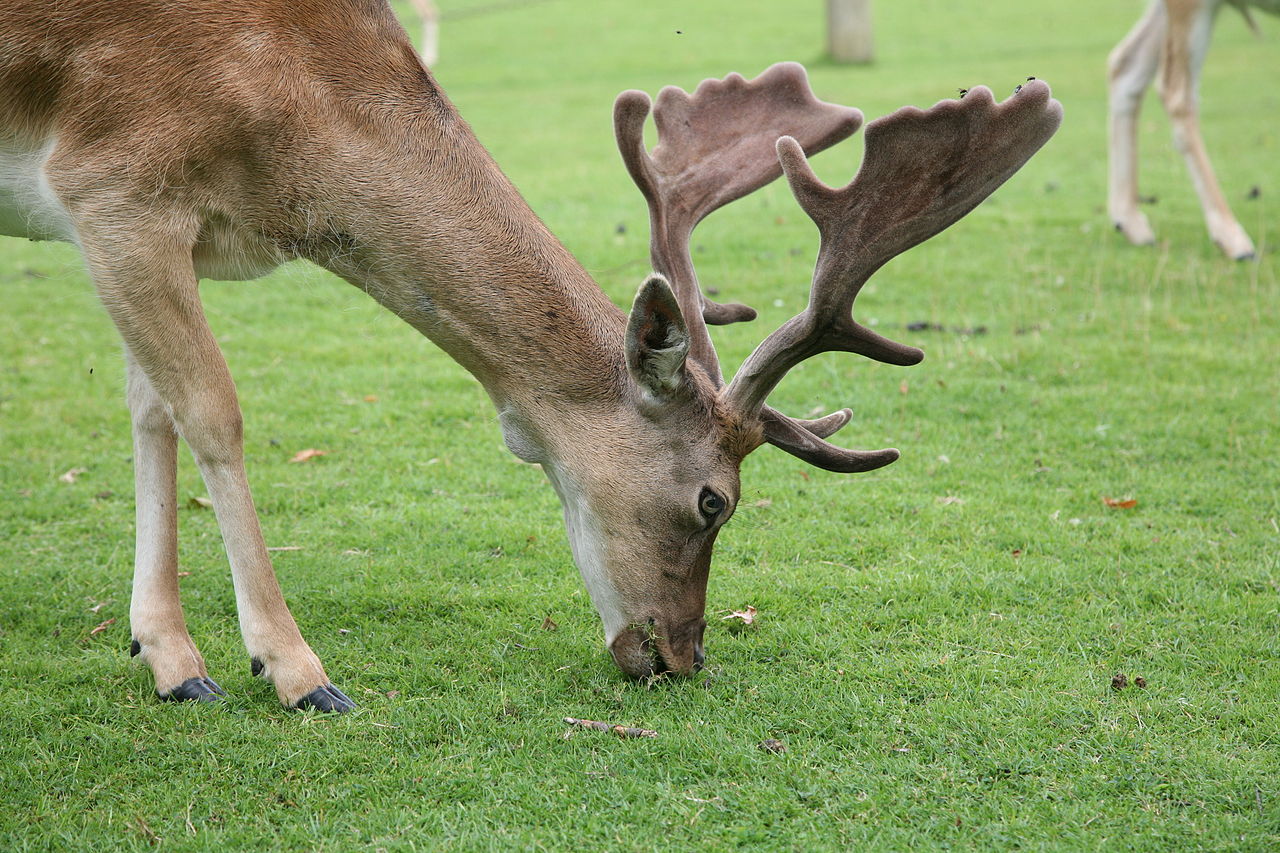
715,146
922,171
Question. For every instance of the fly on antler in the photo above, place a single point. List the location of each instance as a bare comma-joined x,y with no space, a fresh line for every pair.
922,171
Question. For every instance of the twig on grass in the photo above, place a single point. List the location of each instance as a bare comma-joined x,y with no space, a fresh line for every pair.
620,731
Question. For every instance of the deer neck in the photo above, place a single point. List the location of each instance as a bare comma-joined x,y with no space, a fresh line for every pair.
453,249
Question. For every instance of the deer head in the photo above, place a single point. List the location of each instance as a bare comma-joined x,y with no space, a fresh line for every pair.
643,515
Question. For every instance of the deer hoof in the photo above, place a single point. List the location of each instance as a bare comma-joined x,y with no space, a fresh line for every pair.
1136,229
195,689
326,698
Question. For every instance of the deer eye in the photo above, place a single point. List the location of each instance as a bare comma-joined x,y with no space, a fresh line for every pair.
711,504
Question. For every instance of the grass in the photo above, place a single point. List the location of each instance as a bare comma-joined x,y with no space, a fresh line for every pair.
936,641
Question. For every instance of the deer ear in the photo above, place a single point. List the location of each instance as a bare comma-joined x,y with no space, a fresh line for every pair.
657,340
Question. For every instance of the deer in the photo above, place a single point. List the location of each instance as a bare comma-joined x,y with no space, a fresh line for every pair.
429,16
1172,37
224,137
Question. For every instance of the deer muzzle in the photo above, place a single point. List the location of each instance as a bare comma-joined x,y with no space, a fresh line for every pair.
653,649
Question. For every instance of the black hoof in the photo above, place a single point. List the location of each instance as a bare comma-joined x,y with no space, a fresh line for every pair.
194,690
326,698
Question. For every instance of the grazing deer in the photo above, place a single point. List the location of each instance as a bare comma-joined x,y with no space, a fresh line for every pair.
1172,37
220,138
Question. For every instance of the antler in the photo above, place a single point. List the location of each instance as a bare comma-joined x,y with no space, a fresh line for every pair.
922,171
715,146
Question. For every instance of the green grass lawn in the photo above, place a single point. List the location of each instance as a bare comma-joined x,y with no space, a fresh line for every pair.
936,642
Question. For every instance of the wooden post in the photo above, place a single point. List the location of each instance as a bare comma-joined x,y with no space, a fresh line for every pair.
849,30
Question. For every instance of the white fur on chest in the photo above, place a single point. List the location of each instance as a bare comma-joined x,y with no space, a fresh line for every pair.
28,206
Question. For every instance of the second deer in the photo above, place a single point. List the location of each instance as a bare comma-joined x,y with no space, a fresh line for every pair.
1171,40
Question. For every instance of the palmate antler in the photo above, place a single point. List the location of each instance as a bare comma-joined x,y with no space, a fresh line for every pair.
922,171
714,147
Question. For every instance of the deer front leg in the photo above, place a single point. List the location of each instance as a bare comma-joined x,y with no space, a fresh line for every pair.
1130,69
159,629
149,288
1186,43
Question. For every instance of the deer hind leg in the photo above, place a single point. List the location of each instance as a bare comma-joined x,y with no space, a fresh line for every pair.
1186,43
159,629
148,285
1130,69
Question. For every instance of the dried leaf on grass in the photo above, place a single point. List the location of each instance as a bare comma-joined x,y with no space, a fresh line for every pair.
308,454
1120,503
747,616
72,475
620,731
549,624
200,503
772,745
102,626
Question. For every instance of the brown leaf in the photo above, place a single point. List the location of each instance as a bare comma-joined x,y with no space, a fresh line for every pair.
549,625
903,388
309,453
371,398
103,626
772,745
1120,503
73,474
747,616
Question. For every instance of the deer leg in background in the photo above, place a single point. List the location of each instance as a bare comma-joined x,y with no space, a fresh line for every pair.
430,17
145,278
158,627
1131,68
1186,43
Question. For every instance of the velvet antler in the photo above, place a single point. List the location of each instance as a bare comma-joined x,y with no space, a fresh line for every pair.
715,146
922,171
